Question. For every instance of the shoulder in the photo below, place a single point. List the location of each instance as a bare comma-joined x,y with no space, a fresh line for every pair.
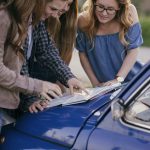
82,20
133,13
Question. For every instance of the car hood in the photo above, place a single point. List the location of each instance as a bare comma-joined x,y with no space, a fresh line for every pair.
60,124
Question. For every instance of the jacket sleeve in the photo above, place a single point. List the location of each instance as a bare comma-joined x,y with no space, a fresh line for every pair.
48,56
9,79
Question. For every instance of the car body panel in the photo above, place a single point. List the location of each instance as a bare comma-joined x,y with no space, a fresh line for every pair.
16,140
113,135
59,125
83,126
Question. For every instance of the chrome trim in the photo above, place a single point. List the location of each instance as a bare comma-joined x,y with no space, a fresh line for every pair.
135,125
140,87
131,125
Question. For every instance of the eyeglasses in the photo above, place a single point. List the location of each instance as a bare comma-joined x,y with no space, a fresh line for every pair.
109,10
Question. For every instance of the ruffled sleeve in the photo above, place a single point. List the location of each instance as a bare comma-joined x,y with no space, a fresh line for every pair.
134,36
80,41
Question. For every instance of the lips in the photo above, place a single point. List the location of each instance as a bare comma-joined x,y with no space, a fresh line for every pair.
103,17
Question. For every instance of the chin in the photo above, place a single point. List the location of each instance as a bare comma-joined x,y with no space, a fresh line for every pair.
103,20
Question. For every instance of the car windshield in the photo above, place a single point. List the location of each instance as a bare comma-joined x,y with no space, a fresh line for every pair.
138,112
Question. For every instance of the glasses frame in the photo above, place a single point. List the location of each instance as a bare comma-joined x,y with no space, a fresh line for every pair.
104,8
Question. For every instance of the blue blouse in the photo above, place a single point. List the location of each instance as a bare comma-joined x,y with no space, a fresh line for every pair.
107,53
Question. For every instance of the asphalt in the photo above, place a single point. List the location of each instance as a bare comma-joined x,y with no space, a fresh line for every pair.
75,65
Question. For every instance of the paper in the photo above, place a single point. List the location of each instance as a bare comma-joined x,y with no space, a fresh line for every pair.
81,97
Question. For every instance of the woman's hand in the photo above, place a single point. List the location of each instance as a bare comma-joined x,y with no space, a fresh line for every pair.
111,82
74,83
50,89
38,106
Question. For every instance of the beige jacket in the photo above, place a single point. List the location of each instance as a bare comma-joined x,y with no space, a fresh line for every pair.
11,82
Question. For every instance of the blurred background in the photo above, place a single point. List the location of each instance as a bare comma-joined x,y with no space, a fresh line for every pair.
143,8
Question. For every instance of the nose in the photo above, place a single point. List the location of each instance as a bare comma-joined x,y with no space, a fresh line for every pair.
55,15
104,12
66,8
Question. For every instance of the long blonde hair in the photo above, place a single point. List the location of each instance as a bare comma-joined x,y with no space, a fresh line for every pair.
123,16
64,31
19,12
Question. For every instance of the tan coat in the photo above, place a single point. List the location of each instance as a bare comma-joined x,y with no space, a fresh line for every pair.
11,82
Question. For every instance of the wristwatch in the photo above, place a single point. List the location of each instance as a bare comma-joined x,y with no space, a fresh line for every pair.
119,79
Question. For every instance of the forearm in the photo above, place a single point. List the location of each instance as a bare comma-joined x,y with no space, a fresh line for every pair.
49,58
13,81
128,63
88,69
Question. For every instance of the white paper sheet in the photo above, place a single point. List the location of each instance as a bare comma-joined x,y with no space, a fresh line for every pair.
81,97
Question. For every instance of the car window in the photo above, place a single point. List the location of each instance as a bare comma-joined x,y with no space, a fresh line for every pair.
138,112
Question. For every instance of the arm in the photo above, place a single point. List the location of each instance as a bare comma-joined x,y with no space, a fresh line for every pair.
132,52
10,79
128,62
131,56
48,56
88,69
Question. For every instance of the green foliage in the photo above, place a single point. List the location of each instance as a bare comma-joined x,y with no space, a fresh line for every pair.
145,23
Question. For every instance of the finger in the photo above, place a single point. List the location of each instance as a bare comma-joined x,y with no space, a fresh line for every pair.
71,89
83,89
33,108
53,94
38,106
46,96
56,89
44,103
107,83
30,109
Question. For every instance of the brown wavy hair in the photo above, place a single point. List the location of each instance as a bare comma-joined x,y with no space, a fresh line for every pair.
64,31
19,12
39,9
123,16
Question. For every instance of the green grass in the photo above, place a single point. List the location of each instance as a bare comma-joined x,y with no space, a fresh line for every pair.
145,23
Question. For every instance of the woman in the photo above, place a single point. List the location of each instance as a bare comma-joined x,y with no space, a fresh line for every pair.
65,34
63,31
48,59
45,56
108,40
14,21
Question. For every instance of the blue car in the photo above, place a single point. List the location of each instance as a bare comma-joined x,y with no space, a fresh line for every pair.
121,122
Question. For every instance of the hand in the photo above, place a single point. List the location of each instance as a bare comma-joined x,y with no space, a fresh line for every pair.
111,82
38,106
98,84
76,84
50,89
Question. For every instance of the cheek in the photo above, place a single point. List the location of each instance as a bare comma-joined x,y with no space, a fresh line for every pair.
112,17
67,9
48,11
96,14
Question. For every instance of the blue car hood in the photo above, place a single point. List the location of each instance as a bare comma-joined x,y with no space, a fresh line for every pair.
60,124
